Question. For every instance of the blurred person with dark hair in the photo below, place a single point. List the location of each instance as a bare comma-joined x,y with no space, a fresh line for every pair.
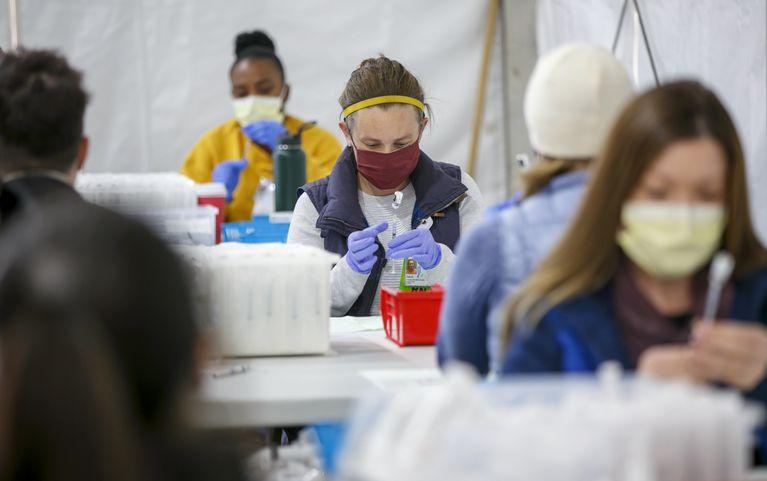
42,146
63,410
99,347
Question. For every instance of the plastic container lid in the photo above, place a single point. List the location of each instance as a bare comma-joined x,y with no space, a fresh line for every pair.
210,189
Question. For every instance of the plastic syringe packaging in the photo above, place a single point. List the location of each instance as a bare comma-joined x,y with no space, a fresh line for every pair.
265,299
143,191
166,202
552,429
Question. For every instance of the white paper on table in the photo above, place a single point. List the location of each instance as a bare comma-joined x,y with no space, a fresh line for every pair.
396,379
349,324
758,474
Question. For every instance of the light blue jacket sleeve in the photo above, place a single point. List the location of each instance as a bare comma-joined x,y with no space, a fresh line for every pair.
473,281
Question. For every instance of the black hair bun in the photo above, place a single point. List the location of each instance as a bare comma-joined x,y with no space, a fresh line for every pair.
256,39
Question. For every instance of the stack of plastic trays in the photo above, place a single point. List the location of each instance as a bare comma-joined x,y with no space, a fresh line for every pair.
166,202
265,299
184,225
138,192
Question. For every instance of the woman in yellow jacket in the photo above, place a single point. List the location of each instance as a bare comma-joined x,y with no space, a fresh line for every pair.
237,153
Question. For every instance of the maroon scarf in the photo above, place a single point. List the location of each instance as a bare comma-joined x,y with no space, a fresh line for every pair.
641,326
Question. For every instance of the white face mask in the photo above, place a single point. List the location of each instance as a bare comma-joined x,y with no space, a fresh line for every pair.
258,107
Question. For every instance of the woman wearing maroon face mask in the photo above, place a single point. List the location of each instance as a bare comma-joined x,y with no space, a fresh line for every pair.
385,200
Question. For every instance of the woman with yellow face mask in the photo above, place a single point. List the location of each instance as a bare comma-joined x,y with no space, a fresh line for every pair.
238,153
629,280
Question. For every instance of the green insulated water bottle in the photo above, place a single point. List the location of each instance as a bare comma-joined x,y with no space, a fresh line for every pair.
289,169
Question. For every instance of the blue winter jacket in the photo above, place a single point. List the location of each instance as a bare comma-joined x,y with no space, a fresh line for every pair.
580,334
491,262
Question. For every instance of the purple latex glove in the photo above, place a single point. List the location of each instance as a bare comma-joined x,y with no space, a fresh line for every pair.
362,248
228,173
418,244
264,132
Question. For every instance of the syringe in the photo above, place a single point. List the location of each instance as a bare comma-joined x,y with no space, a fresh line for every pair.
718,275
395,205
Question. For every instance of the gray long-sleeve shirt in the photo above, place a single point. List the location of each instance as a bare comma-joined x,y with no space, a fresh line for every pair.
346,284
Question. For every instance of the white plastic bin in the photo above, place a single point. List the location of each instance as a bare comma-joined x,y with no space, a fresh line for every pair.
184,225
265,299
167,202
132,192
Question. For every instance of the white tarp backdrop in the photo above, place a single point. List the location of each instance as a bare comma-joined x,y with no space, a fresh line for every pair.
158,69
722,43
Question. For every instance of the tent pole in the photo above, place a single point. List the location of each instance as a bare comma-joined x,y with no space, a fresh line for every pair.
479,108
13,22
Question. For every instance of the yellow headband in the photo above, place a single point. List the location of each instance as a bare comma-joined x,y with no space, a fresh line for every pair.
384,99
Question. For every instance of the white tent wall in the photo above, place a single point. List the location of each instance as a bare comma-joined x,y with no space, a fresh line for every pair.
722,43
158,69
5,35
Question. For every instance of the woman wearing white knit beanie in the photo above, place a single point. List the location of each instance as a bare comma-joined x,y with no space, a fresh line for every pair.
574,94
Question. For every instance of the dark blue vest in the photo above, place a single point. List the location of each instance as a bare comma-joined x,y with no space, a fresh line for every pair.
438,191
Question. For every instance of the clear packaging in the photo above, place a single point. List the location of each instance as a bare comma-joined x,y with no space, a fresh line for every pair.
166,202
183,225
265,299
552,428
132,193
298,461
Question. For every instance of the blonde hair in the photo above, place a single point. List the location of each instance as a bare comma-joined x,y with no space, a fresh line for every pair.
380,76
544,170
587,256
